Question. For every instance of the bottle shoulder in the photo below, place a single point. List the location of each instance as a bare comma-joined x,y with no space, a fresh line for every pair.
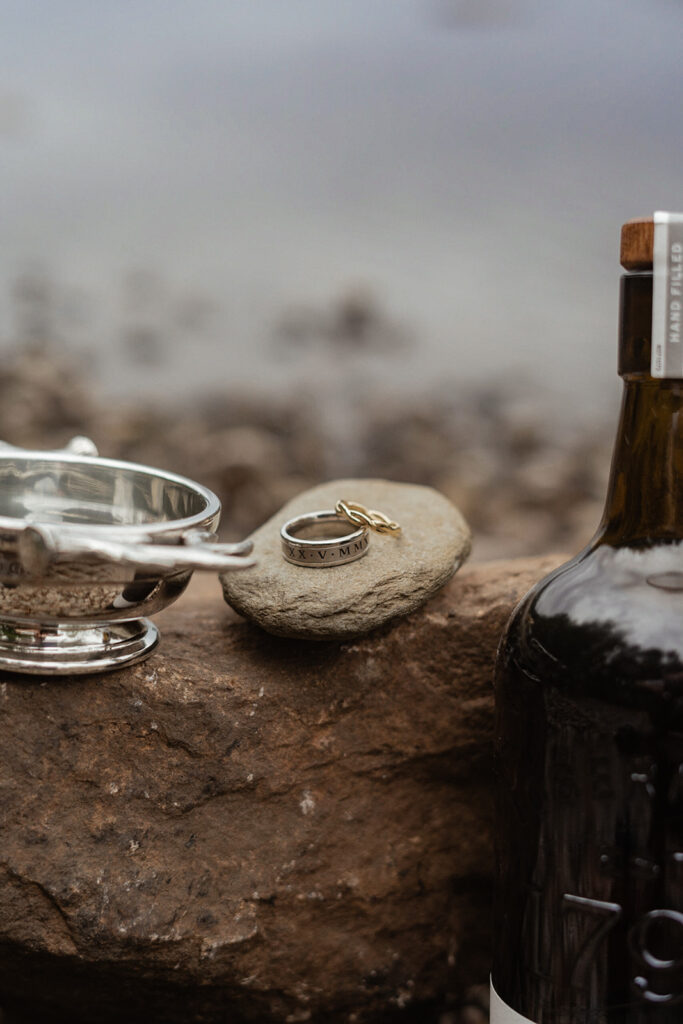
611,618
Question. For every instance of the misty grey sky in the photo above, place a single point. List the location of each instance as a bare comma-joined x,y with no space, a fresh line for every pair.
469,161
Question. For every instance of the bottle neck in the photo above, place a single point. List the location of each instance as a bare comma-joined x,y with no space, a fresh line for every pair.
645,495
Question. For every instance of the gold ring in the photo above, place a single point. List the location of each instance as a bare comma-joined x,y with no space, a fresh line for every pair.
359,515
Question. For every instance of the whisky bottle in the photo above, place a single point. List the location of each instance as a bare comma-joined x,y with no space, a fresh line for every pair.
588,908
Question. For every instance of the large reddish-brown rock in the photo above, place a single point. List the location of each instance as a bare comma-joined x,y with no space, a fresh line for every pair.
250,829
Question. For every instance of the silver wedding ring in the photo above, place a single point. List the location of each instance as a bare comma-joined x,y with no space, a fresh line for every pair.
319,540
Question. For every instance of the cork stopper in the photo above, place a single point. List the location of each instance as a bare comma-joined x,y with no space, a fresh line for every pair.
637,243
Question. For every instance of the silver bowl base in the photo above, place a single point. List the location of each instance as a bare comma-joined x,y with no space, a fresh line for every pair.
66,650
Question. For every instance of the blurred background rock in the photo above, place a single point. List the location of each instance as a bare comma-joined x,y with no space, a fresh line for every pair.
271,243
525,483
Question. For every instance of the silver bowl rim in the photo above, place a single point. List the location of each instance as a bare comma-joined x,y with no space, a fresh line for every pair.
167,526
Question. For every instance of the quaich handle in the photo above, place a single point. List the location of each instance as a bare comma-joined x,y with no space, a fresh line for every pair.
41,547
78,445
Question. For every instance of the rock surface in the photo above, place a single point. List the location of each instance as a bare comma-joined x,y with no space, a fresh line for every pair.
249,829
396,576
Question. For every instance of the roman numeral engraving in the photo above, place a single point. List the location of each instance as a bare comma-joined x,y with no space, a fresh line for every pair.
325,552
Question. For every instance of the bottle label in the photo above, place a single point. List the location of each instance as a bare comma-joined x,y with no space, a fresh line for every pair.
501,1013
667,296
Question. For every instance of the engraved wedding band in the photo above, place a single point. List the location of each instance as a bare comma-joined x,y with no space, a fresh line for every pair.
324,546
330,542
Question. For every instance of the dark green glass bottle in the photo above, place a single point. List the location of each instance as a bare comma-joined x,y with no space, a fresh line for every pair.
589,734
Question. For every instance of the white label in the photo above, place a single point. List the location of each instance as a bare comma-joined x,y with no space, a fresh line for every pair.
667,296
501,1013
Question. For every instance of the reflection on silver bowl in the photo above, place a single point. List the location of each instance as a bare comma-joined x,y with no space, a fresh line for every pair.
89,545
